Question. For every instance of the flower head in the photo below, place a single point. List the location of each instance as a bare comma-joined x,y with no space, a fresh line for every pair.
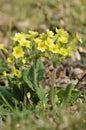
49,42
61,32
54,49
10,59
41,46
50,33
4,73
37,40
78,38
18,52
18,37
1,46
33,33
25,43
28,95
63,39
63,52
23,60
16,72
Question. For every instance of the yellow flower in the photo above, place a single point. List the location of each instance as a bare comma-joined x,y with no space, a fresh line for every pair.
46,54
63,52
37,40
41,46
16,72
42,36
1,46
10,59
50,33
28,95
73,45
54,49
49,42
61,32
23,60
4,73
78,38
63,39
18,37
25,43
44,105
69,52
33,33
18,52
38,106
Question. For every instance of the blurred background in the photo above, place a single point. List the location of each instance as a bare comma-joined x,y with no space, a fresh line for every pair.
24,15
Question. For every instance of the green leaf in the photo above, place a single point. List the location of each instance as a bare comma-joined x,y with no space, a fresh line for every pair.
41,93
17,93
31,74
40,71
3,66
6,94
26,79
75,95
67,93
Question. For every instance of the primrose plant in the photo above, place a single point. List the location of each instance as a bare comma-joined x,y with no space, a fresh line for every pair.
26,69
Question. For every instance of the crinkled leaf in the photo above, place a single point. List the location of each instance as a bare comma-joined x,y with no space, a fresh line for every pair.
41,93
40,71
75,95
27,80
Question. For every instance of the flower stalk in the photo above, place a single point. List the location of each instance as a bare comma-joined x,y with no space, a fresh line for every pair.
25,96
35,73
52,87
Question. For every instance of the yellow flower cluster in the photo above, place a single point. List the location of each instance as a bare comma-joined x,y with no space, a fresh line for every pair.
22,42
47,43
16,72
57,43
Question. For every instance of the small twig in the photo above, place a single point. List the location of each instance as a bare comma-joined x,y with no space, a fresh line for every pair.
80,80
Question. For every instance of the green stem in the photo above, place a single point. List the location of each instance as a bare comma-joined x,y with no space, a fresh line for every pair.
25,96
35,73
52,87
35,62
